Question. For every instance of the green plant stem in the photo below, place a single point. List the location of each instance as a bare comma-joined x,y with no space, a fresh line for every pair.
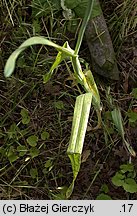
83,26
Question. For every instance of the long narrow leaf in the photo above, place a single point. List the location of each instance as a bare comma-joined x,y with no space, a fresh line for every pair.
84,24
118,121
10,65
79,125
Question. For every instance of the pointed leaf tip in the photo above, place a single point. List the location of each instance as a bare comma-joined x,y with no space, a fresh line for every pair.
9,68
10,64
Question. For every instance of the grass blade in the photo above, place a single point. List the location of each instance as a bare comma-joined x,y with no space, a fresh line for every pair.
118,121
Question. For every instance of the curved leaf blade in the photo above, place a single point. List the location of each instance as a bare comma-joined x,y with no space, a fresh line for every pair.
10,64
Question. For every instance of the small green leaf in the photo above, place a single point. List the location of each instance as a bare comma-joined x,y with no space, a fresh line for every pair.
103,196
118,179
134,93
48,163
25,116
132,116
24,113
12,132
48,166
127,168
34,152
34,173
13,157
130,185
44,135
59,105
22,150
32,140
131,174
104,188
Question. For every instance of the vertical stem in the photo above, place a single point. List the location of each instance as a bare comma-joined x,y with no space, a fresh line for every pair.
83,26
